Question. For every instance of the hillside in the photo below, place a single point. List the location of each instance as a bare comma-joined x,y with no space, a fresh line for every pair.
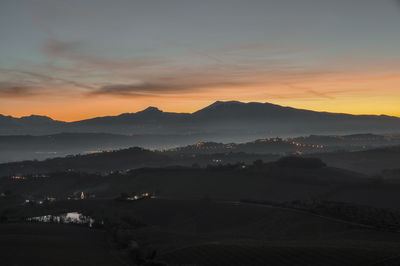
270,181
29,147
371,162
300,145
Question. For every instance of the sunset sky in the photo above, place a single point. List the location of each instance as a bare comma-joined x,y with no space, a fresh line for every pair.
73,60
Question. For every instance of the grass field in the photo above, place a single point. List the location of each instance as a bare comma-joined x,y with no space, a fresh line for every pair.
54,245
198,218
199,232
229,254
223,233
205,232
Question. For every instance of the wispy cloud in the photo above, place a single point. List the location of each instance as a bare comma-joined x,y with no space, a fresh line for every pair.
76,70
137,89
162,87
78,54
30,83
12,90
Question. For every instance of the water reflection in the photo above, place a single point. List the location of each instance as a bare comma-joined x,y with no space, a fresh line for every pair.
66,218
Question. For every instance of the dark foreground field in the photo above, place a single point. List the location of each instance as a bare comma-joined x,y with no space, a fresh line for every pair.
53,245
232,233
199,232
296,212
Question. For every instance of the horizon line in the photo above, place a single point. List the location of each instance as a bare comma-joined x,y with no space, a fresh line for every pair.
190,113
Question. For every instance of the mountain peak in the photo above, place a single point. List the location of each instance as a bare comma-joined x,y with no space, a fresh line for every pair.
226,103
228,106
36,118
221,104
151,109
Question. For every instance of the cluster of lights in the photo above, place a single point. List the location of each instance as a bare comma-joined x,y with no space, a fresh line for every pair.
18,177
306,145
140,196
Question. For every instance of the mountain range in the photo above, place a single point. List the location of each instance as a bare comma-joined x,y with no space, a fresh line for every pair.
221,121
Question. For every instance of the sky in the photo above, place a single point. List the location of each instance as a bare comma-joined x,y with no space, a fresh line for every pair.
76,59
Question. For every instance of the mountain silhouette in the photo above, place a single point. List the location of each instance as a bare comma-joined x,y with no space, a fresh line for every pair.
220,121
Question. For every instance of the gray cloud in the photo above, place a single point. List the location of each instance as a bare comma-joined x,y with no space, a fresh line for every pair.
180,80
137,89
159,88
30,83
76,53
48,78
55,47
11,90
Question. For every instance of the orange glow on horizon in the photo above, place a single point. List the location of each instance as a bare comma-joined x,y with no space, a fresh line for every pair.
384,106
338,93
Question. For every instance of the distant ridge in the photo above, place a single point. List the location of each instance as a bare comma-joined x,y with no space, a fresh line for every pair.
220,121
214,106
